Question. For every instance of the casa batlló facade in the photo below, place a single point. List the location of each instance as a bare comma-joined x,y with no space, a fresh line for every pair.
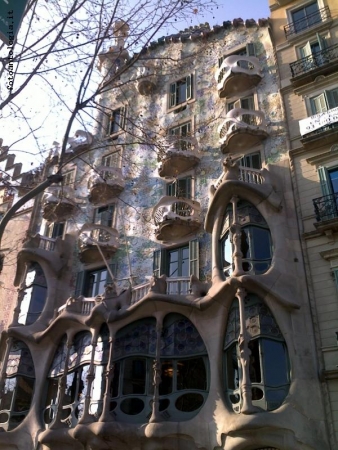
162,298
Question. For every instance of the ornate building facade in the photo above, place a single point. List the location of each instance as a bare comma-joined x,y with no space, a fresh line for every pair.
162,295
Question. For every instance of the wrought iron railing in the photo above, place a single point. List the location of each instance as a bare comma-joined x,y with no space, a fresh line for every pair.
306,22
318,59
326,207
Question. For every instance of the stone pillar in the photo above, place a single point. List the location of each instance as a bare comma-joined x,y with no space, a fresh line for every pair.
62,388
243,344
155,417
109,376
86,416
236,231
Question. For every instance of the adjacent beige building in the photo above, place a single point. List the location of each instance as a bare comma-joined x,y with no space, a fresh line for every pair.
306,38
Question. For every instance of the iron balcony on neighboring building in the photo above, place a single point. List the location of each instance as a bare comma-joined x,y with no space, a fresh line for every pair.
242,129
104,184
237,74
306,70
176,218
179,154
326,211
310,20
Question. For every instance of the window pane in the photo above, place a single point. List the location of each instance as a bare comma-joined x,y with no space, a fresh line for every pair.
334,179
23,394
134,376
254,363
191,374
232,369
275,363
182,90
167,373
7,396
173,263
114,387
261,243
185,262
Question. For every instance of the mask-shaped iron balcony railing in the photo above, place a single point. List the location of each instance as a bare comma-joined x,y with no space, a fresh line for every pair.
310,20
326,207
314,61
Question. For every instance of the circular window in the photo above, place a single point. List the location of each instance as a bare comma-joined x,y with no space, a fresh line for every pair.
189,402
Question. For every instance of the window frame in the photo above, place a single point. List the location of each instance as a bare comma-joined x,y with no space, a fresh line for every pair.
81,284
174,101
115,159
120,112
160,259
328,97
248,50
68,177
110,221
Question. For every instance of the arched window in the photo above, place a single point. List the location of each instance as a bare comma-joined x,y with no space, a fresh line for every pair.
184,376
18,386
35,294
184,370
268,362
255,243
132,389
76,379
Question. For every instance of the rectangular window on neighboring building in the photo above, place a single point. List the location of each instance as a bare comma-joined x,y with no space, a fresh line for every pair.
325,101
305,17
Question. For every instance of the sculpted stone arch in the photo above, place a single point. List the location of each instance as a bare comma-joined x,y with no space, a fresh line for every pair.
17,382
256,363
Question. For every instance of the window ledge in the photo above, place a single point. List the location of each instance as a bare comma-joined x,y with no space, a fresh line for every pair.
114,135
181,106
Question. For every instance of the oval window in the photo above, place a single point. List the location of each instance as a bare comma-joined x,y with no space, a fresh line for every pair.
189,402
132,406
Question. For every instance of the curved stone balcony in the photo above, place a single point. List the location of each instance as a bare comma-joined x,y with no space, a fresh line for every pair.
146,80
242,128
180,154
81,141
95,240
56,204
237,74
176,218
104,184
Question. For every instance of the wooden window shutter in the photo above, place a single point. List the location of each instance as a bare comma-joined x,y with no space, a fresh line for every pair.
157,263
324,181
194,257
172,97
189,87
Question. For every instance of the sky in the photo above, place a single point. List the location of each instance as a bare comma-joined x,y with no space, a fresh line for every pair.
227,10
